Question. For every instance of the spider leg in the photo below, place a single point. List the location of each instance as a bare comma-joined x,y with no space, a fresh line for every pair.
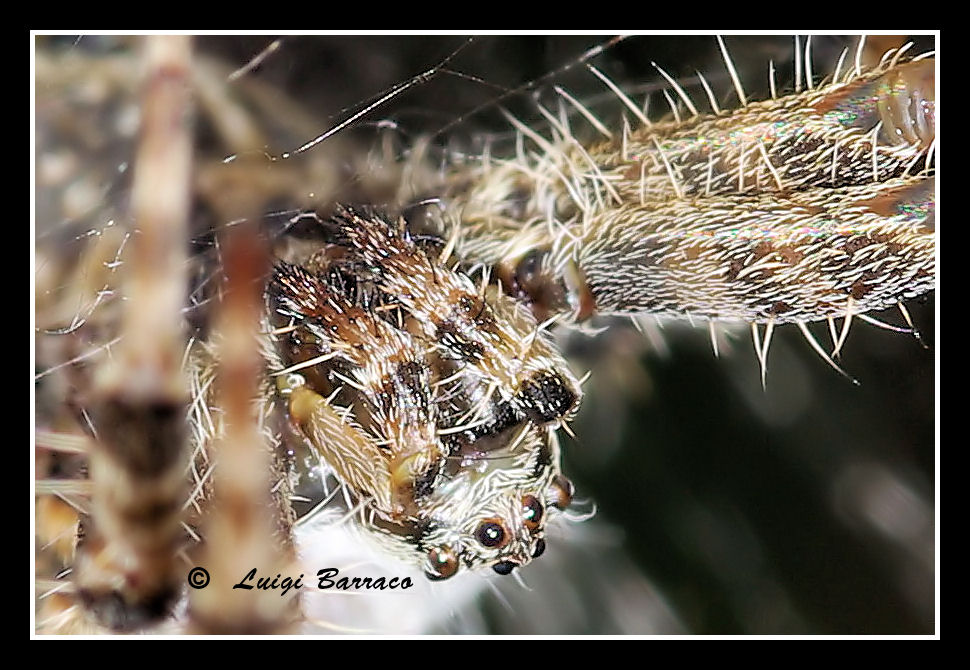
126,571
797,209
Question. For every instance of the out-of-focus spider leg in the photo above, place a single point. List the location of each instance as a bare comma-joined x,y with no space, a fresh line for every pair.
240,530
126,567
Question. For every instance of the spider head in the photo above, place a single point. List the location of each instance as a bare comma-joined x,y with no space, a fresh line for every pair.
510,537
494,510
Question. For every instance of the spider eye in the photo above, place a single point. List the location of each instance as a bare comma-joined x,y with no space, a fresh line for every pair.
531,512
527,269
491,533
442,564
560,492
504,567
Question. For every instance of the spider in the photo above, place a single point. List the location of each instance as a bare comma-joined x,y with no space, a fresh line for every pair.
524,276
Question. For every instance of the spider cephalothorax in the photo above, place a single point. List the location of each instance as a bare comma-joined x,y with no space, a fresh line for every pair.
451,393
